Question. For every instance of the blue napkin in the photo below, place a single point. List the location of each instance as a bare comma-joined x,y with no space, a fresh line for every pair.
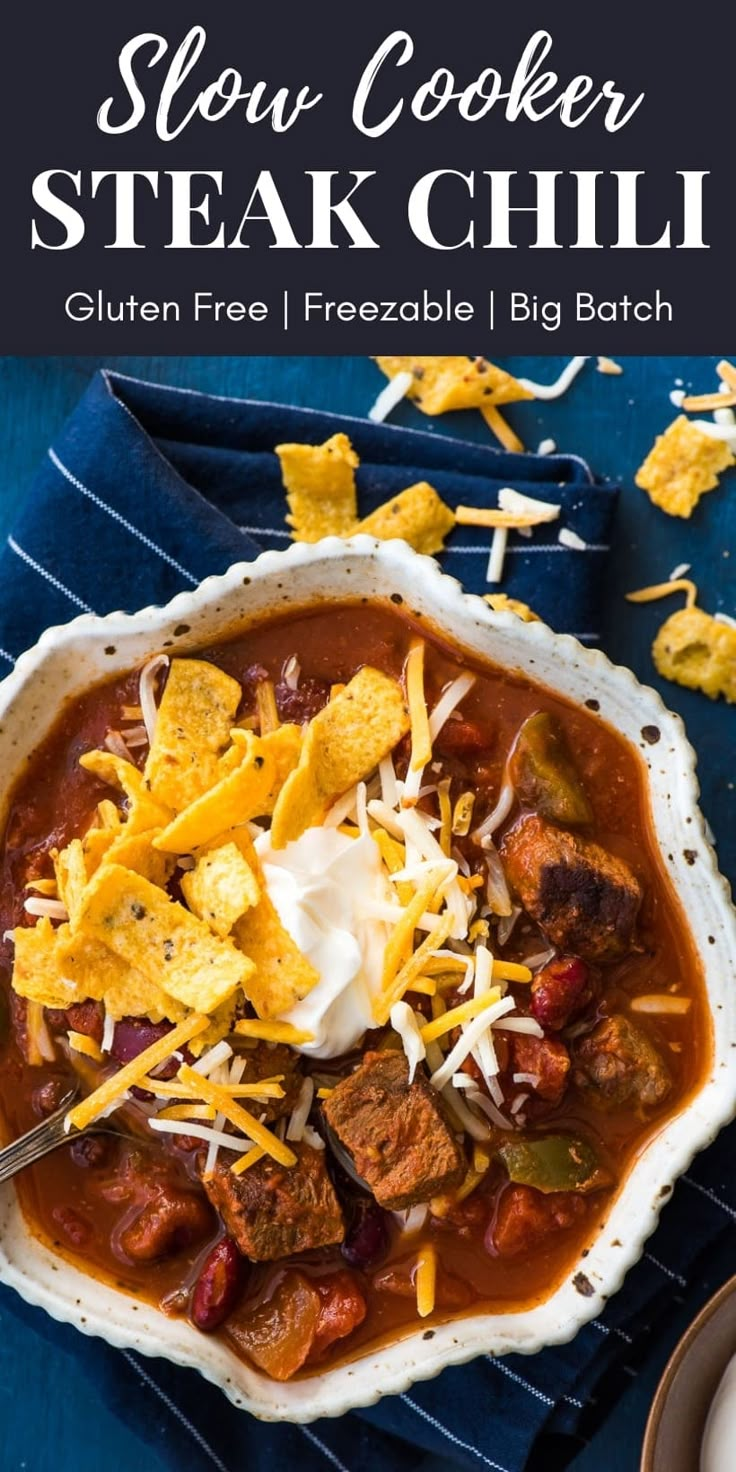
146,491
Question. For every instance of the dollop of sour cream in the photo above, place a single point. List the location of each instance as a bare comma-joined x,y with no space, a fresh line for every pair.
321,887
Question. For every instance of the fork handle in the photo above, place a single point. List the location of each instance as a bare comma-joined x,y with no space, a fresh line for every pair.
44,1137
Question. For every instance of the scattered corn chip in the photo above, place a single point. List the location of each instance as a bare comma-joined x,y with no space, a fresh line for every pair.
248,791
36,972
417,515
163,940
283,975
503,604
70,867
95,1104
135,851
683,464
98,974
144,811
197,709
696,650
221,887
343,744
320,488
439,384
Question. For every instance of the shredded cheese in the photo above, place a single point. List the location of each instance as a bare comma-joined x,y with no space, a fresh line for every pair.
421,744
273,1032
147,692
108,1092
300,1112
426,1279
79,1042
449,700
494,571
390,396
570,539
404,1022
411,968
187,1111
662,590
661,1004
268,715
244,1162
217,1094
457,1015
470,1035
463,814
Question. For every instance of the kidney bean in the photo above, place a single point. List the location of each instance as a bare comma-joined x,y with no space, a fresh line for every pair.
91,1151
47,1097
461,735
218,1286
559,990
302,704
133,1035
367,1239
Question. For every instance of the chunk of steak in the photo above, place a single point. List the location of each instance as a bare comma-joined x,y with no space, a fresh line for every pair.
617,1064
586,900
268,1060
545,1059
395,1132
525,1218
272,1210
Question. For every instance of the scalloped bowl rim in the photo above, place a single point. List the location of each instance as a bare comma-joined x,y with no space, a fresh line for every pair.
68,658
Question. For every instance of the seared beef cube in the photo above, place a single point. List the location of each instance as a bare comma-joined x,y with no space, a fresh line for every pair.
395,1131
585,899
545,1059
272,1210
617,1064
268,1060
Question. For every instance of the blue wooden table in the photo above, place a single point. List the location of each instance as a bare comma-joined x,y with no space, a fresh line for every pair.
45,1415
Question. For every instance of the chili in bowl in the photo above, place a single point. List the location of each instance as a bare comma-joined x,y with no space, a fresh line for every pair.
382,936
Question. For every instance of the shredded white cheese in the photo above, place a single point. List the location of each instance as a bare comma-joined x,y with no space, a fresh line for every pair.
38,905
568,538
494,571
471,1032
395,390
561,384
519,505
147,691
300,1113
449,700
404,1022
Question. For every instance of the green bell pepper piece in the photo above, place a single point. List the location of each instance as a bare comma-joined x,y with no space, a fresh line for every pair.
543,773
554,1163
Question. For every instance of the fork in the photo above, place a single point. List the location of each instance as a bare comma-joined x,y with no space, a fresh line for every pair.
39,1141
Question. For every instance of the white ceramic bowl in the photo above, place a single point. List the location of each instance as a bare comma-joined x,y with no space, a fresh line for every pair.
67,660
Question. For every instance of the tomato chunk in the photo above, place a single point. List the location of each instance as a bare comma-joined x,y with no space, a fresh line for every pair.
524,1218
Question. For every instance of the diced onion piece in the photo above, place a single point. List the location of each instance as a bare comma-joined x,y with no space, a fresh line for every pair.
136,736
449,700
426,1279
115,743
404,1022
497,557
79,1042
411,1220
507,923
390,396
540,959
470,1035
300,1112
661,1003
147,691
312,1137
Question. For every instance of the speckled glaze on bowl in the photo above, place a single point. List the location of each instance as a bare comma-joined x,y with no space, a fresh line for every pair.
66,660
